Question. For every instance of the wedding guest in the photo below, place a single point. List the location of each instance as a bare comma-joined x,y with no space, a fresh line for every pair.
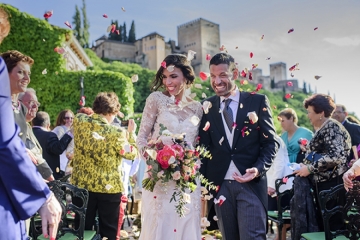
241,139
99,149
63,124
22,190
353,172
341,114
51,145
292,133
326,159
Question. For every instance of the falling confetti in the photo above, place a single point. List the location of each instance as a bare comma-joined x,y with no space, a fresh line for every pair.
251,54
207,125
105,15
316,28
59,50
221,140
203,95
163,64
290,84
250,76
206,106
222,48
292,75
241,105
288,95
268,58
258,87
290,30
113,28
294,67
134,78
48,14
67,24
117,32
254,65
82,101
197,85
204,76
220,201
243,73
191,55
123,9
97,136
208,57
317,77
262,37
234,125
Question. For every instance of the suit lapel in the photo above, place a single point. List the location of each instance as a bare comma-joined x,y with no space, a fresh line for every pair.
218,122
241,115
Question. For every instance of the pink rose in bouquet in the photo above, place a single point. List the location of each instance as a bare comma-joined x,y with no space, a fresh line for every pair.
164,155
179,151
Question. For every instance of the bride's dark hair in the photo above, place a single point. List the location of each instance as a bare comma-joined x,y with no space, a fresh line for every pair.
180,61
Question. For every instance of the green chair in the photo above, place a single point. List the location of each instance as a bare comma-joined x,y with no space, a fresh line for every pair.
350,213
66,229
282,215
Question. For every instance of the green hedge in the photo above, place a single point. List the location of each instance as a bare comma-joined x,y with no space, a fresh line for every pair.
59,88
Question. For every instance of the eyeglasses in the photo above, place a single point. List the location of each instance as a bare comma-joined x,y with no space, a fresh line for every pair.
338,112
33,104
68,118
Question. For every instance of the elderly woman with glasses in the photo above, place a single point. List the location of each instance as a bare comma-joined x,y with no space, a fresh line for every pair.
63,124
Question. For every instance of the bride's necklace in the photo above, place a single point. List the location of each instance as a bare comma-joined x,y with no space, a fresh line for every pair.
16,109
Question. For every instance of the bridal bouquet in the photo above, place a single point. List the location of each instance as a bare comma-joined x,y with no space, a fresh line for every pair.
171,158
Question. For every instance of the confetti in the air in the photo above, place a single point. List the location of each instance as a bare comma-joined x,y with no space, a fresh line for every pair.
206,127
204,76
67,24
268,58
134,78
290,84
44,71
191,55
288,95
203,95
316,28
208,57
251,54
290,30
222,48
258,87
48,14
292,75
117,32
250,76
206,106
220,201
198,85
97,136
221,140
59,50
262,37
254,65
317,77
123,9
243,73
105,15
294,67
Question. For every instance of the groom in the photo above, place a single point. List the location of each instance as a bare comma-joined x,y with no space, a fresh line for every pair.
241,141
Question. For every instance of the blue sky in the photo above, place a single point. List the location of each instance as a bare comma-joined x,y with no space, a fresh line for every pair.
332,51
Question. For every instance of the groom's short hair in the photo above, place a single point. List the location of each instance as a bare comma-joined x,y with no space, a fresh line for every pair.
225,58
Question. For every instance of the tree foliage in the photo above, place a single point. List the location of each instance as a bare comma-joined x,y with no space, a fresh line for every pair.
125,38
59,88
78,30
132,37
86,26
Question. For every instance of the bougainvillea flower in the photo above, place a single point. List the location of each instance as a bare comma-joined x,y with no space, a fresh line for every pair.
315,28
44,72
134,78
290,84
117,32
268,58
243,73
317,77
290,30
262,37
288,95
123,9
250,75
208,57
285,179
48,14
258,87
206,106
190,55
163,64
67,24
251,54
105,15
204,76
254,65
220,201
207,125
221,140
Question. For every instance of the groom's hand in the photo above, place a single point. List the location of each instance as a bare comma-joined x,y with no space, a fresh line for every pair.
250,174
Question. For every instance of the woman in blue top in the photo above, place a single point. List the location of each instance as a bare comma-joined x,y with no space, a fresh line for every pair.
292,132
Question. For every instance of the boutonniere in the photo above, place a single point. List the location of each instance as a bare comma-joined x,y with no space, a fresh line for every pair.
252,117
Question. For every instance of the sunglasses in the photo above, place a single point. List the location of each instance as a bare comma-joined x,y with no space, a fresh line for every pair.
68,118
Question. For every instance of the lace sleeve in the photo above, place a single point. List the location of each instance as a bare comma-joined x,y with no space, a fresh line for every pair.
199,110
148,120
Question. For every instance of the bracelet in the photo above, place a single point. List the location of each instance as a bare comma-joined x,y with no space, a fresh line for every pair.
308,168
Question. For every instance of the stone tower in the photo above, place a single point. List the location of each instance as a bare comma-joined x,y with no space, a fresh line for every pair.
201,36
278,71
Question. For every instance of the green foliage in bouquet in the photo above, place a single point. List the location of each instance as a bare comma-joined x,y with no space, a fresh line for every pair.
170,158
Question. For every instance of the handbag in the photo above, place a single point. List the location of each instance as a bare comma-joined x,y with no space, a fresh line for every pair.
313,157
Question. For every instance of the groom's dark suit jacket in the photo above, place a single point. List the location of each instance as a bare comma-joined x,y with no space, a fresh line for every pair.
255,149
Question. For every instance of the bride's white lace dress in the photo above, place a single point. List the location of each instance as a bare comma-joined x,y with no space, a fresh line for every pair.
159,218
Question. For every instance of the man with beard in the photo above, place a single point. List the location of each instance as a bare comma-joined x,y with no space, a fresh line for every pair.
237,128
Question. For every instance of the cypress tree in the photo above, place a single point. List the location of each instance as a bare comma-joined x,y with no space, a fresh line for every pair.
77,26
272,83
132,37
125,39
86,26
304,88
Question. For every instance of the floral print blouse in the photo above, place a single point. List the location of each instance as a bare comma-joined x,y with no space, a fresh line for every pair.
98,153
333,142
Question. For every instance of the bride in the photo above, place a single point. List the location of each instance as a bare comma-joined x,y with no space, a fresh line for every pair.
176,112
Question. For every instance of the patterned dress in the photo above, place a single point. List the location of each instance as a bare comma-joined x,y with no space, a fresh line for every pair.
159,218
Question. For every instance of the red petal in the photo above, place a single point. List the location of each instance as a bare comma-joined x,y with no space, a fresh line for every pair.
315,28
243,73
285,179
113,28
291,30
288,95
250,76
290,84
117,32
203,76
208,57
242,82
67,24
251,54
258,87
105,16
